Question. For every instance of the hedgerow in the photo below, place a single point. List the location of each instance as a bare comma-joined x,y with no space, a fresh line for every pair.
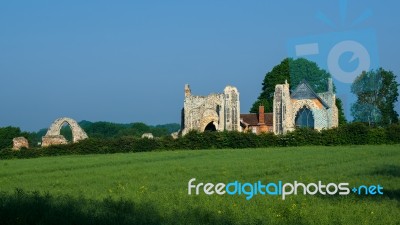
350,134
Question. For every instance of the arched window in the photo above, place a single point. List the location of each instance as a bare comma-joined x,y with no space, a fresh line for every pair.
304,118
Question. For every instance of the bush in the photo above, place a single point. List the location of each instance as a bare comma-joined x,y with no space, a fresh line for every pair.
331,137
377,136
350,134
355,133
393,133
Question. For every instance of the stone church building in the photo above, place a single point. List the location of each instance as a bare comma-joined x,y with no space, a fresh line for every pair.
299,108
304,108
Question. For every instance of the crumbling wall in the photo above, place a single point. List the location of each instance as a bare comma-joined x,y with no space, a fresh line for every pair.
20,142
53,136
148,135
222,110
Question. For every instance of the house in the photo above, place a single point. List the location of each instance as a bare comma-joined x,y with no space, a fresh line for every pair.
257,122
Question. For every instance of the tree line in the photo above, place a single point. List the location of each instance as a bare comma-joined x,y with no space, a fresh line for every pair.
98,130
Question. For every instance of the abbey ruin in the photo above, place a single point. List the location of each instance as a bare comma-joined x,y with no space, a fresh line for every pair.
301,107
19,143
215,112
304,108
53,136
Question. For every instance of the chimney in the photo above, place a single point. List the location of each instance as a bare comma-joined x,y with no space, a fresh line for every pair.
261,116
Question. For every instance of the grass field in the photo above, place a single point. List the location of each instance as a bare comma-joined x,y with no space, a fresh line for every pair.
151,188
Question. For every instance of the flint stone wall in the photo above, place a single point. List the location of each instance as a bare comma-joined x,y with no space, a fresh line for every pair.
20,142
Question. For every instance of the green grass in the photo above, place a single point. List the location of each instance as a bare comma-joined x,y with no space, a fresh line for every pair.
151,187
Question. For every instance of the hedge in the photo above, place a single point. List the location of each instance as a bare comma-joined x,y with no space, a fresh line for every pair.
350,134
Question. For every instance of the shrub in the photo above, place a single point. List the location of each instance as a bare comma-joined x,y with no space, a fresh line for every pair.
355,133
349,134
393,133
331,137
377,136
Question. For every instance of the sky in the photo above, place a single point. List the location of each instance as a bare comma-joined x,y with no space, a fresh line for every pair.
128,61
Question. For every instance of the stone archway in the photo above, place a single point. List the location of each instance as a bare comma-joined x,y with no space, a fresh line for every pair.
53,136
210,118
210,127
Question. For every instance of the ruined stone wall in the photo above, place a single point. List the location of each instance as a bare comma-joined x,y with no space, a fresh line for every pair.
20,142
330,99
277,110
53,136
148,135
50,140
221,110
285,109
232,109
282,110
199,111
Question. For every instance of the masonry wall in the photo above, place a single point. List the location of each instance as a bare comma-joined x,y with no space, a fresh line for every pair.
222,110
285,110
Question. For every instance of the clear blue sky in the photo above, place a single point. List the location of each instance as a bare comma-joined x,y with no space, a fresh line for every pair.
128,61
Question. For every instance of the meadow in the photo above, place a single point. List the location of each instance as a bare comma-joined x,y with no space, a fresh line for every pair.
152,187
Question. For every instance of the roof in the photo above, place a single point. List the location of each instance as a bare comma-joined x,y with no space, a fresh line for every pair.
251,119
304,91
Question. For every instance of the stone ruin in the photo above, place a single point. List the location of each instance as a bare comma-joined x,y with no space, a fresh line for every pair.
148,135
53,136
302,107
215,112
20,142
175,135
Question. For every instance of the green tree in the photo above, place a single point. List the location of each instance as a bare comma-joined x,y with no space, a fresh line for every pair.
294,71
341,116
115,130
377,92
66,132
277,75
8,133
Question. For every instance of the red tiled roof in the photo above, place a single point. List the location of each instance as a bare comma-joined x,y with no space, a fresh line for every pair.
252,118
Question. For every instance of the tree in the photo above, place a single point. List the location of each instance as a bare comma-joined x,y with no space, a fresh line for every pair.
294,71
115,130
278,75
8,133
377,92
341,116
66,132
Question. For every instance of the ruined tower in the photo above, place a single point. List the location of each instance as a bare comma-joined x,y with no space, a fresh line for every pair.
215,112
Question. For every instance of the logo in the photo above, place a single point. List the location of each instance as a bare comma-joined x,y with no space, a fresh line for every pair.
345,52
249,190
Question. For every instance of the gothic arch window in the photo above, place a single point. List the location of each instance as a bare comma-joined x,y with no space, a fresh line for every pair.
305,118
